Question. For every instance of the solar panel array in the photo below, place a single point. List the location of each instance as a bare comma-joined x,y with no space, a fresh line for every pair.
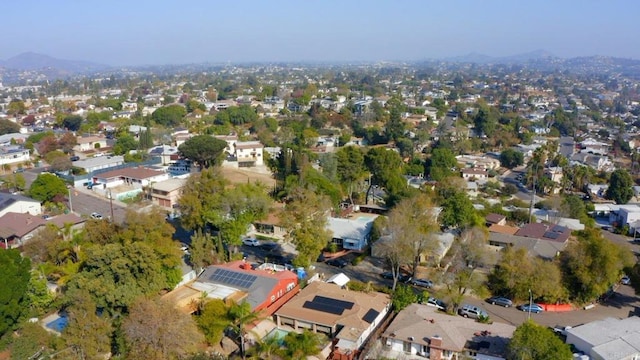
233,278
328,305
552,235
371,315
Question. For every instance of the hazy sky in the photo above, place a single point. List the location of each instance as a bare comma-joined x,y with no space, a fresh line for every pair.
134,32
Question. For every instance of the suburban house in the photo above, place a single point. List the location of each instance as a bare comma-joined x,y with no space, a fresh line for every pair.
70,220
434,255
474,173
351,234
494,218
348,317
10,203
554,174
543,240
266,287
478,162
591,146
270,226
93,164
89,143
17,228
165,152
608,339
421,331
13,154
249,153
597,162
167,193
137,177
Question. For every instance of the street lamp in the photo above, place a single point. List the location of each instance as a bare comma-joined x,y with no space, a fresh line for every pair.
111,204
70,204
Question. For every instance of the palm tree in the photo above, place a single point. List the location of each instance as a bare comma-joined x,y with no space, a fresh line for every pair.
241,315
267,348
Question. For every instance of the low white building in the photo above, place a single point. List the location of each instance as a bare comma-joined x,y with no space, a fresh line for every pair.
136,177
249,153
19,204
608,339
86,143
351,234
13,154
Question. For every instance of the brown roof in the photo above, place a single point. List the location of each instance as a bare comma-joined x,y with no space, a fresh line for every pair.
19,225
61,220
494,218
474,171
350,318
138,173
503,229
545,231
420,323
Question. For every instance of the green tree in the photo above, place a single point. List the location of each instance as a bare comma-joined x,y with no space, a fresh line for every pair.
58,160
403,296
299,346
305,221
170,115
241,315
441,164
386,169
8,127
457,210
13,289
213,320
86,330
592,264
72,122
485,120
240,207
47,186
620,187
115,275
203,250
33,338
205,150
237,115
511,158
202,193
38,296
193,105
16,107
350,167
124,144
531,341
67,141
154,329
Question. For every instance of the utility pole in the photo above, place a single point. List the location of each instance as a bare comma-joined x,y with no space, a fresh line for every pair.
535,174
530,303
111,204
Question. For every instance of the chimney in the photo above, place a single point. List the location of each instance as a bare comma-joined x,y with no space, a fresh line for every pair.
435,348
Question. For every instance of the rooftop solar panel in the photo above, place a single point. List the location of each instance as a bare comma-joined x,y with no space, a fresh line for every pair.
552,235
312,305
333,302
371,315
233,278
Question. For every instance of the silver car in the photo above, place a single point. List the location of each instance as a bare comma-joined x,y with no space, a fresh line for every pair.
471,311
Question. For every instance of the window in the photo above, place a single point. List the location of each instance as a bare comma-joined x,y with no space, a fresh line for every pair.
406,347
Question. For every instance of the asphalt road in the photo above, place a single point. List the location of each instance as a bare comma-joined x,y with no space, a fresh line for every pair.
510,177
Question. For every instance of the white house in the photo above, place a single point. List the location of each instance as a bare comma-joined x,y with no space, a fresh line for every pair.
249,153
351,234
136,177
13,154
19,204
86,143
474,174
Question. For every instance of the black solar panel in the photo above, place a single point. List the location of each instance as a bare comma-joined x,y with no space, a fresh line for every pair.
323,307
559,228
233,278
371,315
551,235
333,302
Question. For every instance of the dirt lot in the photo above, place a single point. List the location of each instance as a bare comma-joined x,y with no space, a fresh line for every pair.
252,175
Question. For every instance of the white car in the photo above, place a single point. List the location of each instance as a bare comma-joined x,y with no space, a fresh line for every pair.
626,280
96,216
251,242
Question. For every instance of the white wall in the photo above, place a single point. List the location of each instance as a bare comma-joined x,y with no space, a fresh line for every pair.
22,207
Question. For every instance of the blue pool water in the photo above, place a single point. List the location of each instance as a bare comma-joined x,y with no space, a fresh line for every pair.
278,334
58,324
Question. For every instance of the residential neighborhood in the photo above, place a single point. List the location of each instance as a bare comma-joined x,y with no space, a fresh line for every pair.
382,211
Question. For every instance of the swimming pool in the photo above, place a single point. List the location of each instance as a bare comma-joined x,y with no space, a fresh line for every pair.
58,324
277,333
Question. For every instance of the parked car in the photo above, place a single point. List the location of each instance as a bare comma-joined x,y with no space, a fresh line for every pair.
74,158
251,242
96,216
337,262
499,300
401,278
18,170
422,282
534,308
625,280
268,246
470,311
437,303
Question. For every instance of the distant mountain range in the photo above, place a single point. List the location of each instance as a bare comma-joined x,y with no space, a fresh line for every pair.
518,58
34,62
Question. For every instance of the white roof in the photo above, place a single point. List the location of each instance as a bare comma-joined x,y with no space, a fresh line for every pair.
339,279
356,229
608,332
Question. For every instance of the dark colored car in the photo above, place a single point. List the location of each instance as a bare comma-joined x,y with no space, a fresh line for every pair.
268,246
422,282
499,300
337,262
74,158
401,278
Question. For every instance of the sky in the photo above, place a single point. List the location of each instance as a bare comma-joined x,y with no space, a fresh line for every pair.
155,32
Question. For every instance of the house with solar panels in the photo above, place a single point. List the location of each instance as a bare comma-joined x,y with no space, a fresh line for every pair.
347,317
266,287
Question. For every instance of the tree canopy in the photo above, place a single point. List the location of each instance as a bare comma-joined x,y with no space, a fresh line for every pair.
531,341
13,288
511,158
170,115
441,164
620,187
46,187
8,127
72,122
237,115
205,150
